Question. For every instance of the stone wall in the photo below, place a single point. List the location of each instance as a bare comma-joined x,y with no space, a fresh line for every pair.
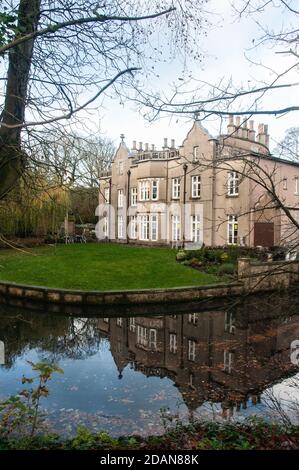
272,275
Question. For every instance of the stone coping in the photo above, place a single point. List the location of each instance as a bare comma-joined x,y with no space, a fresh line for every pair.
137,296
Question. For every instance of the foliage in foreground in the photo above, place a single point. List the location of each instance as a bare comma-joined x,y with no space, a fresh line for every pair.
253,434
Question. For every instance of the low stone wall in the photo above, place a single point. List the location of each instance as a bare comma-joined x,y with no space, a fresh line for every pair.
179,294
273,275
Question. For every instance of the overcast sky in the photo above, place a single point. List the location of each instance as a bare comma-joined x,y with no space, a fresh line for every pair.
225,46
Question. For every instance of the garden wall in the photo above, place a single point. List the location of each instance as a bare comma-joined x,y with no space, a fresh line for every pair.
273,275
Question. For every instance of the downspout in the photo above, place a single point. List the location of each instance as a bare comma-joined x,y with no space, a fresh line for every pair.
109,209
185,167
213,208
128,205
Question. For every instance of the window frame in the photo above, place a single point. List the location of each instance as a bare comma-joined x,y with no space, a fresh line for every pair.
176,188
195,185
134,196
233,182
120,198
175,228
232,221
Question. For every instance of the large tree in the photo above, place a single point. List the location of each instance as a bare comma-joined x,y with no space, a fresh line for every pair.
58,57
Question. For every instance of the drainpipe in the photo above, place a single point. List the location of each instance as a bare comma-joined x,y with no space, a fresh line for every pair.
109,209
215,150
128,205
185,167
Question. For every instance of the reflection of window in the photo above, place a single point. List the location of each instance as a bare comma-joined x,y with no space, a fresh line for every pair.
133,196
132,325
152,339
232,230
229,326
141,335
191,379
176,188
119,346
195,186
284,183
119,321
233,183
106,320
173,343
228,358
192,318
191,349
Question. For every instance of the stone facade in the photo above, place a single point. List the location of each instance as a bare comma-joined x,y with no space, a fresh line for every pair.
211,191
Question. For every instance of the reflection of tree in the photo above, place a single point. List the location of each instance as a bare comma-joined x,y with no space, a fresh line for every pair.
54,337
81,340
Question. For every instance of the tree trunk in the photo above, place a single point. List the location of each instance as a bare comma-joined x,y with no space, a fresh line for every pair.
12,158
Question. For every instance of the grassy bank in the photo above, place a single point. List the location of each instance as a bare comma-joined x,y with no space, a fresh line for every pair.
99,267
255,434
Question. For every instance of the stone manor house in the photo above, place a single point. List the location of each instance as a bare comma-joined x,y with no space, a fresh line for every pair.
219,191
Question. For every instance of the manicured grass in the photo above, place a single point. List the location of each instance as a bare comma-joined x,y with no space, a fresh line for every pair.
99,267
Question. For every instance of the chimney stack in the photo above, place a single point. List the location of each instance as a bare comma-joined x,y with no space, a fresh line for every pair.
251,130
230,125
261,134
238,127
165,143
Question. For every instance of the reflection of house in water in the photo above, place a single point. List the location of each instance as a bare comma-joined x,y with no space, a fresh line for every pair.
227,357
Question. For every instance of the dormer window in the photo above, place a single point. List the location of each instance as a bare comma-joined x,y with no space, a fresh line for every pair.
196,154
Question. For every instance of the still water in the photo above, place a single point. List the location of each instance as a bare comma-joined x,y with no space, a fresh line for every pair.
129,373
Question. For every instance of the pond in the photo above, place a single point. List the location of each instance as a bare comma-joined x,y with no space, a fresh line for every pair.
127,373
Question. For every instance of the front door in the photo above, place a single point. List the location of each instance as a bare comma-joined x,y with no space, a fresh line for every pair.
264,234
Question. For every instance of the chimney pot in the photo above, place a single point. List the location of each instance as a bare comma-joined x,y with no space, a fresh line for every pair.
153,147
146,147
231,120
172,143
134,144
251,125
165,142
140,145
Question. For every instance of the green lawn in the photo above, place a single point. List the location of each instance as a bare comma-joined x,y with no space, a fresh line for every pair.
99,267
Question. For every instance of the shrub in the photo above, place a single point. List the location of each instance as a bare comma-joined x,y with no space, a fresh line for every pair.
181,255
227,268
